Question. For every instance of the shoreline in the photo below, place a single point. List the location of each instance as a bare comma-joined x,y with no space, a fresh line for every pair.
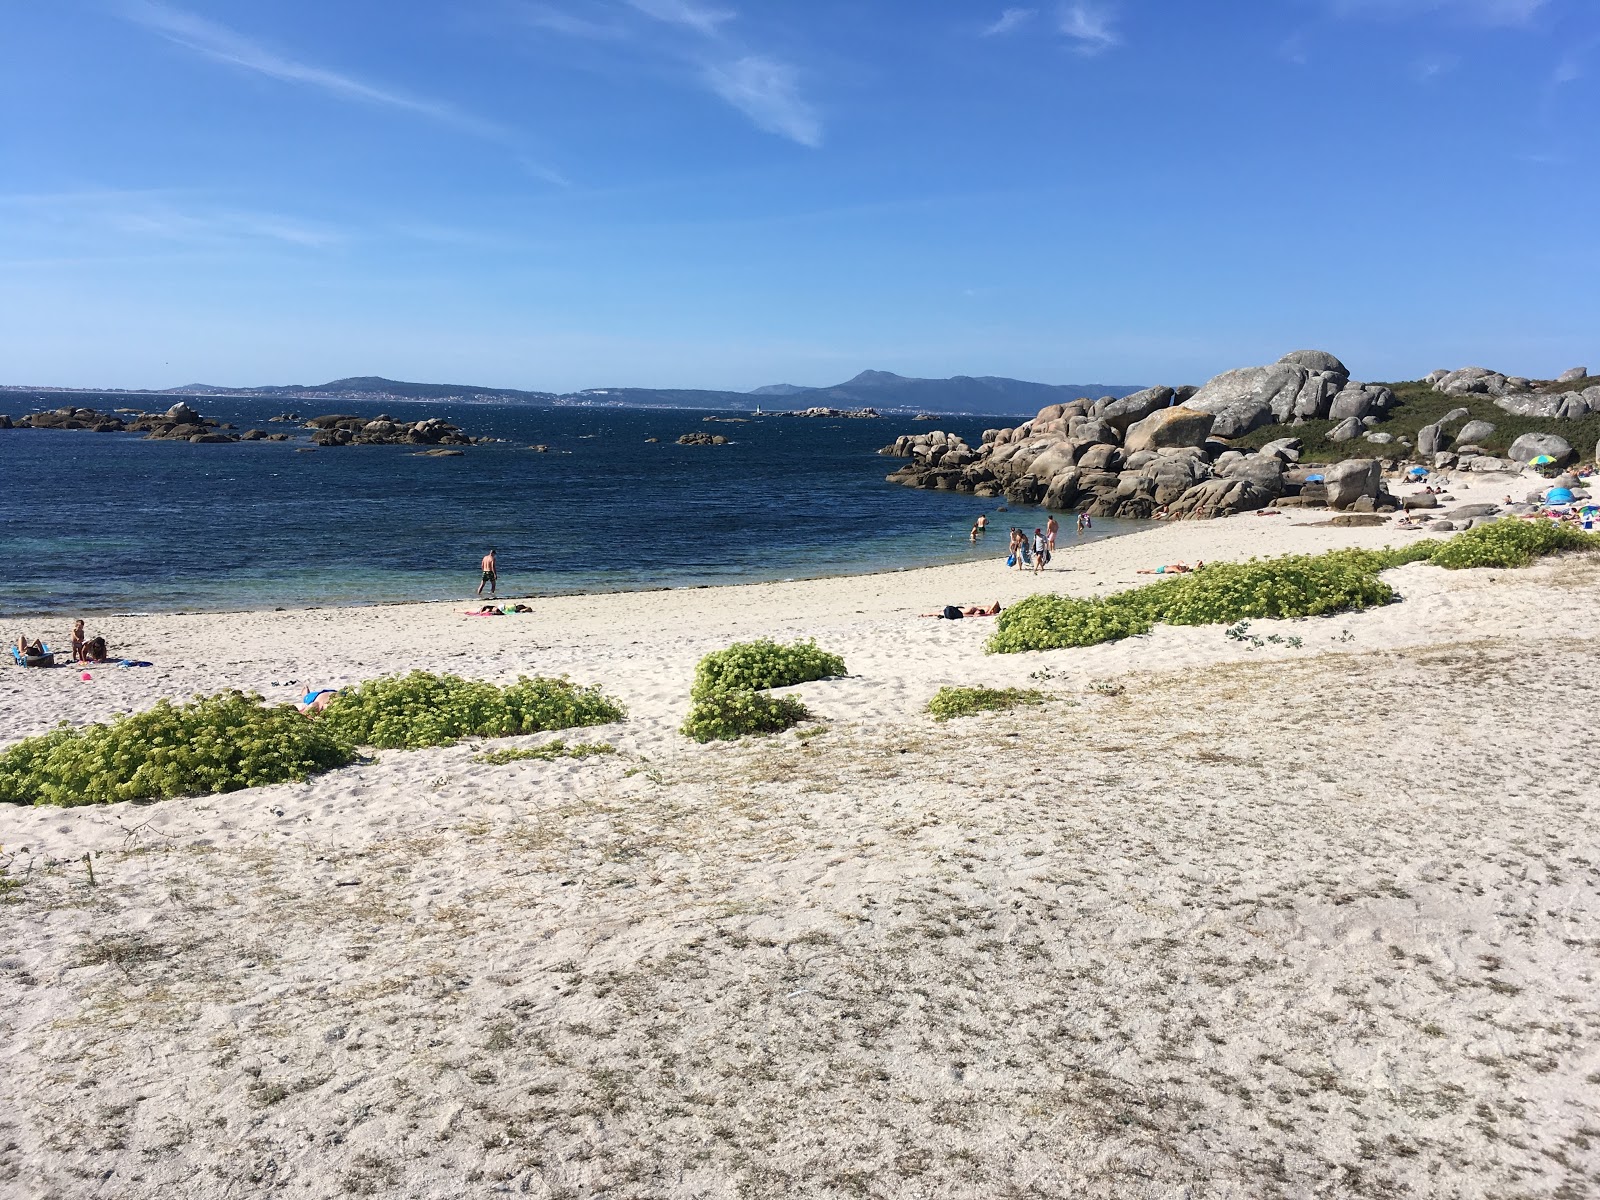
39,615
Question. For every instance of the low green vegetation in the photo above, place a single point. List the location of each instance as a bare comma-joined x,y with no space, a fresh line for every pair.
724,716
548,752
1510,544
406,712
215,743
1418,405
728,683
761,664
965,701
1297,585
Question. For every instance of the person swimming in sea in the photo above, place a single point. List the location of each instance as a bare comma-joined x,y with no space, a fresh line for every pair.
981,525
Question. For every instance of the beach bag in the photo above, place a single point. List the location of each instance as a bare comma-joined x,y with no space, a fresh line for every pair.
952,613
1011,560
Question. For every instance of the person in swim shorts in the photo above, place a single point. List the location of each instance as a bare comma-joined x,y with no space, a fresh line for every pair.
491,575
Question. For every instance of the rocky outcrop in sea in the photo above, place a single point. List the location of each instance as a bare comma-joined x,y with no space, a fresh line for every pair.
337,429
182,423
1164,451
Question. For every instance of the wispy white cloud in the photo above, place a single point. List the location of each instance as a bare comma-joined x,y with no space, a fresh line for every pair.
222,44
707,21
173,218
1476,12
559,20
1430,66
1089,26
1009,21
767,92
1573,63
761,86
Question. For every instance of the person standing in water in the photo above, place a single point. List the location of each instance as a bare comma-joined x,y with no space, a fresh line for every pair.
981,525
491,574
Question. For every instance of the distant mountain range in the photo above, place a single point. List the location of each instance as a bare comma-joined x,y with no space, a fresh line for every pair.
883,390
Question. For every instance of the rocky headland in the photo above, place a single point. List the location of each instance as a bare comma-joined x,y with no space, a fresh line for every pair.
1205,452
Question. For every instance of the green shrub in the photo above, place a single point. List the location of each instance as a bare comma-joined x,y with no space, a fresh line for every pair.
422,709
725,715
1510,543
549,752
215,743
964,701
1296,585
755,666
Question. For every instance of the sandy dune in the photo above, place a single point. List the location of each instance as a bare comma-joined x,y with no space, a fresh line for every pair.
1211,922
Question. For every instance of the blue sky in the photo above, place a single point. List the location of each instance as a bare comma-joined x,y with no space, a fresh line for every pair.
573,193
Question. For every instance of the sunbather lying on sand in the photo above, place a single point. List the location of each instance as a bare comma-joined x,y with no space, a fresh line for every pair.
316,701
953,612
29,649
1176,568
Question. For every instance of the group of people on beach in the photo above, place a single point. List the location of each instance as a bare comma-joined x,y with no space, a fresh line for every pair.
84,649
1023,551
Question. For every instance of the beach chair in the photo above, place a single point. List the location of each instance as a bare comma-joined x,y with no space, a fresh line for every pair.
47,659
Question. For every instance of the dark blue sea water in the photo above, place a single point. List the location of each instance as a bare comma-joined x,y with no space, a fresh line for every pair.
111,522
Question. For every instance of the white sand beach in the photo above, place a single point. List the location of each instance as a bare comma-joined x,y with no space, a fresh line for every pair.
1214,921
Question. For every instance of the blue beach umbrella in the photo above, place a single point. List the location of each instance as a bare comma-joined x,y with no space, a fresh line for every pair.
1315,479
1418,472
1558,496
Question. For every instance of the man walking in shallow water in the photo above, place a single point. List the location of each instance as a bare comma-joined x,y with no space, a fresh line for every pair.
491,575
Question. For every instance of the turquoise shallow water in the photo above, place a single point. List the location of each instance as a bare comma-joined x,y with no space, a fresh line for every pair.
111,522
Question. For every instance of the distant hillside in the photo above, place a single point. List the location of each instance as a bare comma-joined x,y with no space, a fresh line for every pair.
990,394
370,387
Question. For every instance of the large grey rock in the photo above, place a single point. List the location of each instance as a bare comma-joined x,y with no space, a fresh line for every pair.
1474,431
1485,463
1531,445
1454,415
1063,491
1472,381
1380,439
1091,429
1360,400
1101,457
1286,450
1249,397
182,414
1055,458
1531,406
1573,374
1122,413
1349,481
1430,439
1218,497
1263,470
1576,405
1346,430
1171,427
1316,360
1433,377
